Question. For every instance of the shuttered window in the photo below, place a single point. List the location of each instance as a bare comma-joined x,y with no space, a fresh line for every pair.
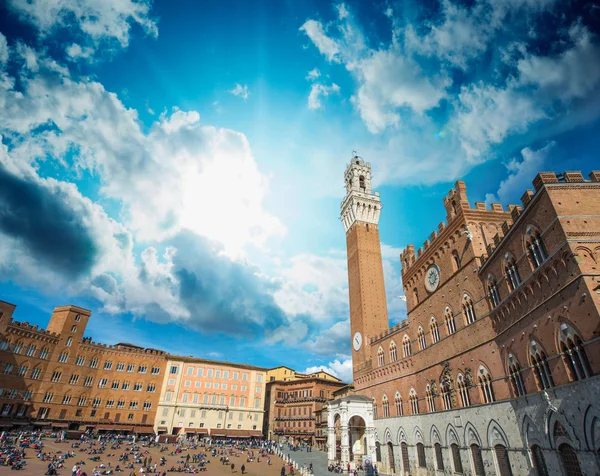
502,460
438,457
477,460
539,463
569,460
421,455
456,458
405,461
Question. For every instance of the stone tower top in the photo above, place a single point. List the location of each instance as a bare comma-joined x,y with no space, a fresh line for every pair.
360,203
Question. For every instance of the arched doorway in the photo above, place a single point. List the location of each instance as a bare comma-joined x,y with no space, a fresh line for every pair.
357,432
390,448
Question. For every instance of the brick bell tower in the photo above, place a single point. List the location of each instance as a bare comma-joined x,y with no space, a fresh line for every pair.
360,216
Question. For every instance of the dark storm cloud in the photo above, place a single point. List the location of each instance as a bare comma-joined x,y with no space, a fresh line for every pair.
220,294
41,219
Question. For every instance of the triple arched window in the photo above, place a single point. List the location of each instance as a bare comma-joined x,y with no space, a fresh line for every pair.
406,346
381,357
493,291
485,380
445,391
429,396
541,369
512,273
516,379
573,353
535,247
414,402
435,332
398,403
463,390
469,309
449,318
393,353
386,407
421,336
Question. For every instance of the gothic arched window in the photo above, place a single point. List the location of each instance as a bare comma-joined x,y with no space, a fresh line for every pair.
386,407
429,396
449,318
455,260
493,291
539,362
512,272
398,403
535,247
445,391
381,357
516,379
406,346
414,401
463,391
485,380
421,336
361,182
469,309
573,353
435,332
393,354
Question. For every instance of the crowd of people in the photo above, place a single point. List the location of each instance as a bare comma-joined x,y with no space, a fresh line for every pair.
91,454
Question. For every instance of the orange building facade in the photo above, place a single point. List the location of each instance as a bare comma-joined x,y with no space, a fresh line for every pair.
503,323
56,378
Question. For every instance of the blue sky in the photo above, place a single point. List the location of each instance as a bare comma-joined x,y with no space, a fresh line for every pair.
177,166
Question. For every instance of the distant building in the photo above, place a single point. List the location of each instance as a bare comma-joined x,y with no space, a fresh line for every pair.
206,397
56,378
496,369
293,399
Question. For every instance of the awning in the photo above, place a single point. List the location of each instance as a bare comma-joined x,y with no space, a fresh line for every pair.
60,425
143,429
5,423
104,427
189,430
41,423
217,432
18,422
162,428
202,431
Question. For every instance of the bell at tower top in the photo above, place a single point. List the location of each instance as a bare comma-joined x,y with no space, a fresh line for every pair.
358,176
361,203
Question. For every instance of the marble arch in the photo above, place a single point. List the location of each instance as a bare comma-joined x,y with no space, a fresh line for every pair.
357,429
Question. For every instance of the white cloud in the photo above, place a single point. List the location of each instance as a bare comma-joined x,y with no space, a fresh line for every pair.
462,36
572,74
313,74
240,91
319,91
326,45
313,285
337,368
390,81
488,114
334,340
520,174
76,52
4,50
97,20
179,175
289,335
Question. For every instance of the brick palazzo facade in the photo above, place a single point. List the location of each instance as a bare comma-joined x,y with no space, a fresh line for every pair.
293,403
56,377
496,369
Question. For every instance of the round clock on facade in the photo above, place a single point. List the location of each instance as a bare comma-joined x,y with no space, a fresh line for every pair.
357,341
432,278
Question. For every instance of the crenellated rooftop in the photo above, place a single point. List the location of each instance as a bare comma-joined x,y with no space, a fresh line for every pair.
542,179
389,331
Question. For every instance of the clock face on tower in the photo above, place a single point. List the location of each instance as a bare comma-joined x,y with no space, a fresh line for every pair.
357,341
432,278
